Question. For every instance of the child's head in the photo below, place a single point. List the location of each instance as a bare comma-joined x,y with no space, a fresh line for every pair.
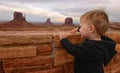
94,22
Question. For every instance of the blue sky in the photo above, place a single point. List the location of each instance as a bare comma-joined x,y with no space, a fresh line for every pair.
57,10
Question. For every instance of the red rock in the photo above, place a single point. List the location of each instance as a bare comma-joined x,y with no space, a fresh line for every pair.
1,67
59,61
17,51
115,25
27,62
55,70
114,68
68,20
18,21
19,16
32,69
44,50
60,57
48,23
69,68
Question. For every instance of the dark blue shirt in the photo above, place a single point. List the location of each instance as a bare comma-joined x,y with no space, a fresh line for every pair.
90,55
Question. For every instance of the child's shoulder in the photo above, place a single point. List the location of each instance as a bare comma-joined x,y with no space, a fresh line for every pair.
87,43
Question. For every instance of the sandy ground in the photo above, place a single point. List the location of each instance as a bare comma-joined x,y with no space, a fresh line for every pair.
44,31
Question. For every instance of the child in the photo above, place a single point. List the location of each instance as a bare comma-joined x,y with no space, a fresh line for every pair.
97,49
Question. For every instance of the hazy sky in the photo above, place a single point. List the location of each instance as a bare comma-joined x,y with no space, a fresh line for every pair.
57,10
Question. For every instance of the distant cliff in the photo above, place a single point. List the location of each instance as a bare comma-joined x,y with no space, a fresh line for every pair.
115,25
18,21
68,21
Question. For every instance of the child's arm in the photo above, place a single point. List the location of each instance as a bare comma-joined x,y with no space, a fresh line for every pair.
73,31
73,49
64,35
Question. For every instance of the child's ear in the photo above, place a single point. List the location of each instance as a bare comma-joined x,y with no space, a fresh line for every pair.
92,28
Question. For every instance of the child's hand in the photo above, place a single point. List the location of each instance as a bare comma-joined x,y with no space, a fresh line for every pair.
74,30
62,35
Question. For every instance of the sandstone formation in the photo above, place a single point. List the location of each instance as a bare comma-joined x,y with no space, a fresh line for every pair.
18,21
69,21
115,25
19,16
48,22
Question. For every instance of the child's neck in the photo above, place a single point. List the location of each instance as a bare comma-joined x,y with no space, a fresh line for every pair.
95,37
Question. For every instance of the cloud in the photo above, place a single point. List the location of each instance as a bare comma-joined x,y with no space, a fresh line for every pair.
31,12
57,10
114,13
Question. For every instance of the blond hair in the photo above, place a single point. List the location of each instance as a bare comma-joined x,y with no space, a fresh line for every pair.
98,18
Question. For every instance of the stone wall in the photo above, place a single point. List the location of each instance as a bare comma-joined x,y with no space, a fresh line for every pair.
42,53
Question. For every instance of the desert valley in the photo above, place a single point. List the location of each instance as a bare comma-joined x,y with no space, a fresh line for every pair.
30,47
19,23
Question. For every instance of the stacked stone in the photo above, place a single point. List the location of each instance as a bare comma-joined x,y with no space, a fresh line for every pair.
36,53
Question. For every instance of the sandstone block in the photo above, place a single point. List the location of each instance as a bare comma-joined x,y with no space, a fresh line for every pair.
17,51
69,58
59,57
118,48
56,41
27,62
57,70
69,67
114,36
1,67
62,57
24,39
44,49
54,70
115,68
117,58
31,69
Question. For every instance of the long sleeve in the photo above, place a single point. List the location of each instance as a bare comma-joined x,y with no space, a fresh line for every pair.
90,54
83,51
73,49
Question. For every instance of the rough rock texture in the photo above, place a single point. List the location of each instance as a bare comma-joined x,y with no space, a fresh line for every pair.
48,21
18,21
1,67
19,16
32,52
69,21
115,25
